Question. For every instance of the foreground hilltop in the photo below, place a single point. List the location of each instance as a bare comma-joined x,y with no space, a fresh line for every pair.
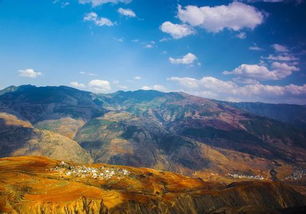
42,185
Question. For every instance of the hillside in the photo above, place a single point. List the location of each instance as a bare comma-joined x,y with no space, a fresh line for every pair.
40,185
293,114
166,131
48,103
18,137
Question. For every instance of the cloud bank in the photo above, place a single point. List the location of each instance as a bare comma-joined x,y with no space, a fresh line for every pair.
97,86
261,72
212,87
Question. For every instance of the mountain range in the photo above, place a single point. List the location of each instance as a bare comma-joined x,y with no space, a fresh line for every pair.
193,136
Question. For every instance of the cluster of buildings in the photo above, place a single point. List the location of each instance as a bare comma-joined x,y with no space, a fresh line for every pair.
238,176
90,172
298,174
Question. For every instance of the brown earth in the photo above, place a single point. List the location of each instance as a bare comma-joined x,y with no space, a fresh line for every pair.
42,185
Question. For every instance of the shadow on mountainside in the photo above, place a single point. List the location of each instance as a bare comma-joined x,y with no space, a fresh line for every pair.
13,137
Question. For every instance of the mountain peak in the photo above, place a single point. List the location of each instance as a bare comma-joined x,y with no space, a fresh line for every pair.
8,89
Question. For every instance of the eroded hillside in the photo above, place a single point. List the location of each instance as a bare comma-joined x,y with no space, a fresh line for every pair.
18,137
41,185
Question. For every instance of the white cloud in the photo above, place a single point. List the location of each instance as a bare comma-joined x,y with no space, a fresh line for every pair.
77,85
234,16
30,73
245,80
282,55
270,1
241,35
283,70
127,12
155,87
88,73
255,48
164,39
186,82
146,88
280,48
137,78
212,87
159,88
119,39
261,72
122,87
99,21
164,52
285,57
95,3
177,31
149,46
187,59
99,86
65,4
119,86
251,71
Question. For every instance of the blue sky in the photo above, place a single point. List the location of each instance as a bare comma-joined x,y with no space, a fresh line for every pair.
248,50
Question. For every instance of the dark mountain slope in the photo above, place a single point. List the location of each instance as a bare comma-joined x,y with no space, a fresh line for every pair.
18,137
41,103
293,114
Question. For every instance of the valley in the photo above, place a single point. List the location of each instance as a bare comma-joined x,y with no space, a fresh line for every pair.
164,150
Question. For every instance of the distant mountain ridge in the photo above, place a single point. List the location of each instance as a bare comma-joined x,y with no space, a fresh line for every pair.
169,131
289,113
39,103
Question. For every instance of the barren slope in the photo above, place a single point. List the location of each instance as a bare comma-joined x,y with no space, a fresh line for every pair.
18,138
41,185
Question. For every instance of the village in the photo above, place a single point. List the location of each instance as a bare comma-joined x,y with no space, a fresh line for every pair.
103,173
298,174
253,177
